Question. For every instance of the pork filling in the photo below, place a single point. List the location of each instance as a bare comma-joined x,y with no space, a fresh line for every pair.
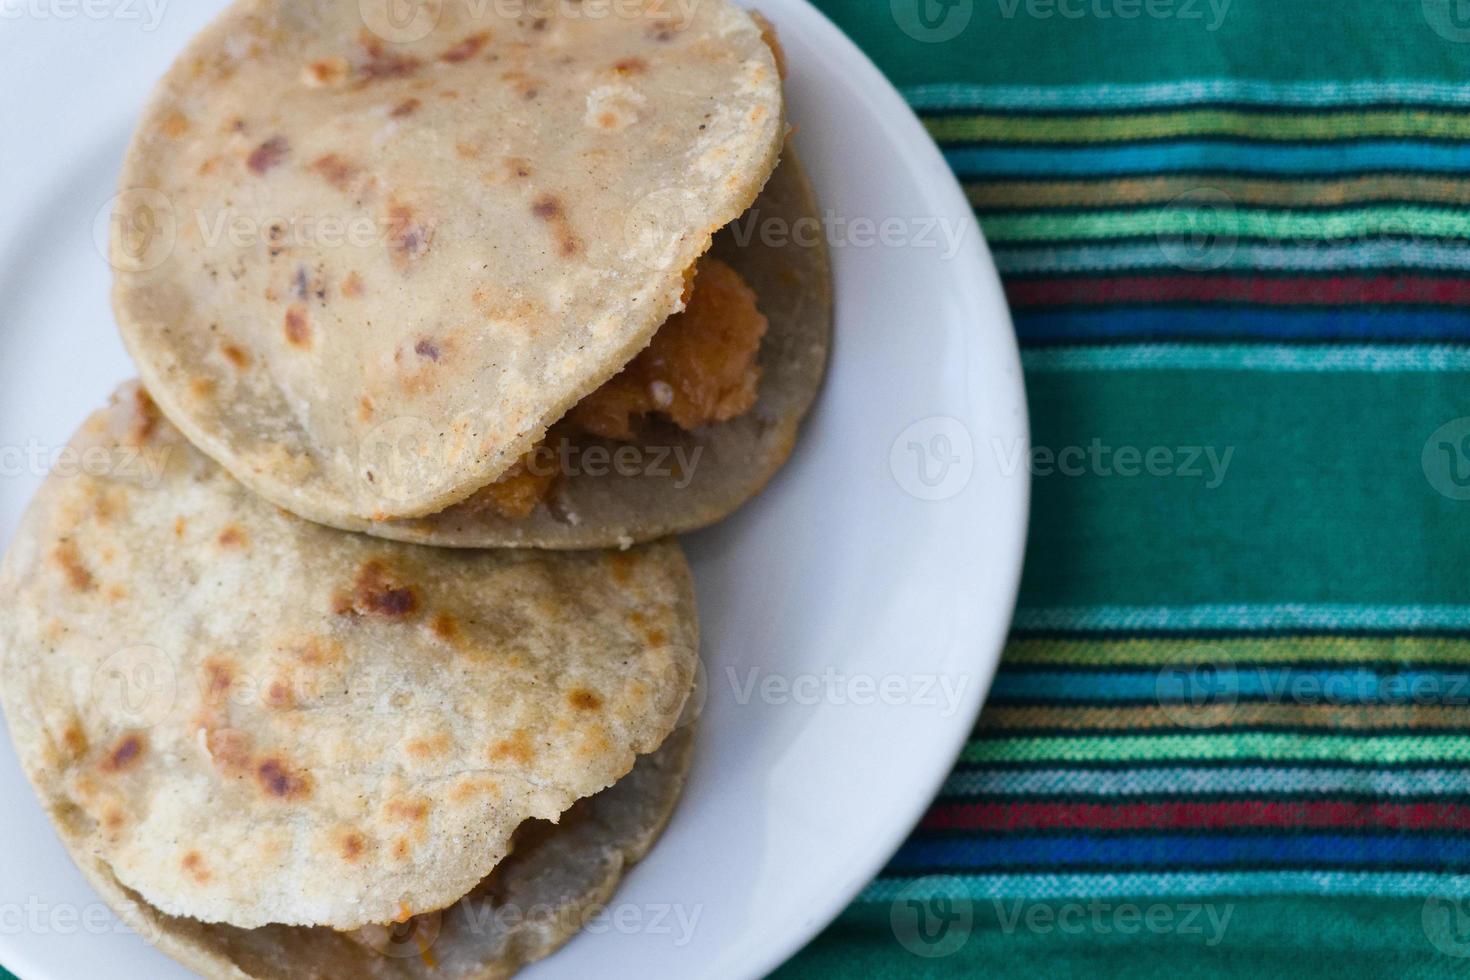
701,368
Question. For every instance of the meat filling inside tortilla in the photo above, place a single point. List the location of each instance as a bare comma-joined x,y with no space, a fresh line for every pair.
701,368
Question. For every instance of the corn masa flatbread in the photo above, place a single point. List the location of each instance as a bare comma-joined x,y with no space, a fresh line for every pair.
365,270
681,481
531,904
255,719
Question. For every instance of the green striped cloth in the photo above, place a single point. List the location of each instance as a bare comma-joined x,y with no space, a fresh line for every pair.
1231,734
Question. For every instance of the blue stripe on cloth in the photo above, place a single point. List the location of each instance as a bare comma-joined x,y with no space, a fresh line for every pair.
1109,885
960,96
1384,253
1242,323
1372,359
1285,685
1286,615
1368,156
1175,850
1251,781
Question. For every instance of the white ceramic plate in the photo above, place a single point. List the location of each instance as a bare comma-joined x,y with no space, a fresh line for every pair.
854,614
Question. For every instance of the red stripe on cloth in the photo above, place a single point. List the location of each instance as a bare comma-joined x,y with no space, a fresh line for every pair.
1182,814
1269,291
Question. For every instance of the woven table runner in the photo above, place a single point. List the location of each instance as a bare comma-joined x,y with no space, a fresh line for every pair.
1232,727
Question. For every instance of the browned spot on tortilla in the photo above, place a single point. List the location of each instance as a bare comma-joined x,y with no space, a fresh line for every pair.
466,49
446,627
351,846
211,166
428,349
408,811
470,787
277,780
234,536
202,388
219,677
75,741
327,71
607,120
236,356
126,754
319,652
181,524
174,124
365,408
662,30
631,66
229,748
352,285
409,239
527,86
113,819
622,564
429,746
280,695
268,155
381,64
401,849
593,745
511,308
69,559
145,418
550,209
467,150
106,505
336,170
517,748
298,328
584,700
378,591
193,863
406,108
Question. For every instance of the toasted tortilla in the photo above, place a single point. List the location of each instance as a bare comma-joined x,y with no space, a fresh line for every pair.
253,719
553,883
365,266
681,481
